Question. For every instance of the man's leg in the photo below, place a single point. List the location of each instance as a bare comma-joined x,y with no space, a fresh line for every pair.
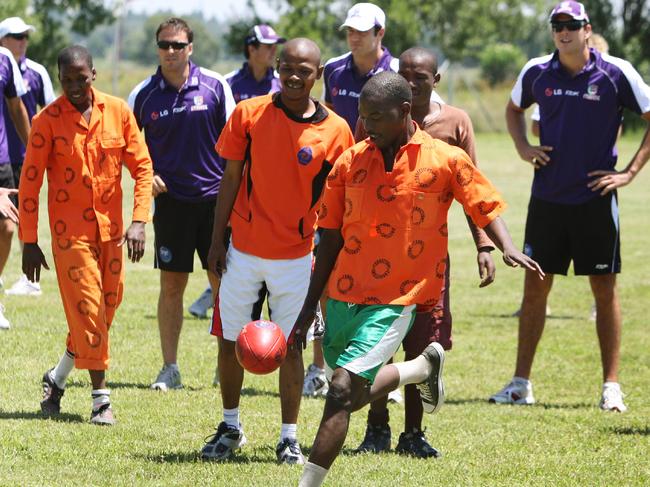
7,228
231,374
608,323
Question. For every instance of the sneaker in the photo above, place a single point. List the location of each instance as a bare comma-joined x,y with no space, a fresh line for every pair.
315,383
24,287
222,444
514,393
377,439
215,381
103,416
395,397
4,322
288,451
52,394
416,445
432,390
612,399
169,377
200,307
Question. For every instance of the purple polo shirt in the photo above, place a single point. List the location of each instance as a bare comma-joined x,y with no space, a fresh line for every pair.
39,93
580,117
11,85
181,128
244,85
343,83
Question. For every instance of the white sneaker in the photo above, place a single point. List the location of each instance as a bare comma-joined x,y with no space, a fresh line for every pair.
612,398
514,393
200,307
315,383
169,377
395,396
4,322
24,287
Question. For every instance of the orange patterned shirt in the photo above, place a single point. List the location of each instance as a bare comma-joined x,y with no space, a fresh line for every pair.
84,170
394,224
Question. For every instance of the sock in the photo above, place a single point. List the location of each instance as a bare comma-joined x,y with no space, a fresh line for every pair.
172,366
288,431
520,381
231,417
378,418
312,475
612,385
413,371
62,370
101,397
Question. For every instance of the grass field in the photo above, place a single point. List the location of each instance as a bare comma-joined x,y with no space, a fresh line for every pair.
563,440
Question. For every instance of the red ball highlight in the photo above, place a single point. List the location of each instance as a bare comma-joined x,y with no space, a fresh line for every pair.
261,347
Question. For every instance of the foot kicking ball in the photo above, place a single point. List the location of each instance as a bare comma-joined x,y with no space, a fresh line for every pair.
261,347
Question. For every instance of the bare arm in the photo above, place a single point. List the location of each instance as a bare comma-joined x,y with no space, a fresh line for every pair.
516,121
19,117
606,181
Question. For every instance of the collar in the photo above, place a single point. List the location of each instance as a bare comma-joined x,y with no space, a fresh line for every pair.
318,116
419,137
594,59
191,82
380,65
248,73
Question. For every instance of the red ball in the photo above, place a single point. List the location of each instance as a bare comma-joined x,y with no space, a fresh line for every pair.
261,347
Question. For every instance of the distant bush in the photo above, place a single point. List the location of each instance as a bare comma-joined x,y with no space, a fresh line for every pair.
500,62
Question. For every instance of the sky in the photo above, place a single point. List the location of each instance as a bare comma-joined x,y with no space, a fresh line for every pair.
221,9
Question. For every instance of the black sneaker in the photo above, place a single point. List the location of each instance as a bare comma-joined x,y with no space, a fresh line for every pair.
377,439
416,445
288,451
432,390
223,442
52,394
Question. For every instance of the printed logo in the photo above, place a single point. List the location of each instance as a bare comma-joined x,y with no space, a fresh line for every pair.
198,100
305,156
548,92
165,255
154,115
592,89
600,267
335,91
591,94
160,114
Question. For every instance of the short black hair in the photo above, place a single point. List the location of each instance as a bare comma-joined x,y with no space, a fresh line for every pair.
423,53
388,87
71,54
176,24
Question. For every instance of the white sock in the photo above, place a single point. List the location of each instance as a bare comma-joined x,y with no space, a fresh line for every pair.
612,385
172,366
288,431
231,417
100,398
62,370
520,381
312,475
413,371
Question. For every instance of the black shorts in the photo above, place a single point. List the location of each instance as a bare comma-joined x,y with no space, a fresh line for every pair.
180,228
17,169
7,180
587,234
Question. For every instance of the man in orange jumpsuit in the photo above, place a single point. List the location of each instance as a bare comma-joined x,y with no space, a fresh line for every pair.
82,139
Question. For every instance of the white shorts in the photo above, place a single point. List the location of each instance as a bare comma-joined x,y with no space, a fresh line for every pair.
287,281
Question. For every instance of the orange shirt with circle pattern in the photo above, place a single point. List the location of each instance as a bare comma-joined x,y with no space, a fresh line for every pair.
394,224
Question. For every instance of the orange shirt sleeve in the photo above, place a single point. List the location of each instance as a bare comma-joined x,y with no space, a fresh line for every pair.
473,190
233,141
332,206
37,155
138,161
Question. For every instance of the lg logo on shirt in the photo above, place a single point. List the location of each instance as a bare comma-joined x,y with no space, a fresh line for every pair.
160,114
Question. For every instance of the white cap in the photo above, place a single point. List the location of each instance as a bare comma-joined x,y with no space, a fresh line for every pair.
14,25
364,16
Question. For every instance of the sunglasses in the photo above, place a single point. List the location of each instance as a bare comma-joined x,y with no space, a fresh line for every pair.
176,46
19,37
571,25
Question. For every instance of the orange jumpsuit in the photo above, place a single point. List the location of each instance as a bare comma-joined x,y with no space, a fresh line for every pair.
84,171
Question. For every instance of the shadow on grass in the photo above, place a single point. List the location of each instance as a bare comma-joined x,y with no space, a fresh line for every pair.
195,457
631,430
464,401
124,385
510,315
251,391
59,418
578,405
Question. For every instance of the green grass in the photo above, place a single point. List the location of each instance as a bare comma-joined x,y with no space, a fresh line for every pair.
563,440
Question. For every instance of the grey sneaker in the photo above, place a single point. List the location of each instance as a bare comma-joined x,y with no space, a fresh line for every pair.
103,416
315,383
416,445
377,439
200,307
222,444
432,390
52,394
169,377
288,451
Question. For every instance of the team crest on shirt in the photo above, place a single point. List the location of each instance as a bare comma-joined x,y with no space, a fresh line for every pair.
305,156
198,104
591,94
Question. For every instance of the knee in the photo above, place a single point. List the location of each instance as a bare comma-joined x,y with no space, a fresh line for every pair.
604,287
535,288
339,394
226,348
7,228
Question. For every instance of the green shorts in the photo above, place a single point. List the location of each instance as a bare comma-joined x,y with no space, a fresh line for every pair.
361,338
